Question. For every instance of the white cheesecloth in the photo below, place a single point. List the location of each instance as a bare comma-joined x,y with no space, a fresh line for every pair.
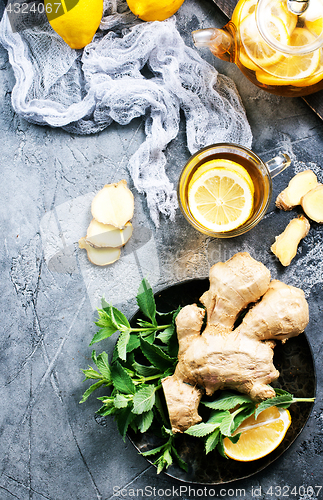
131,69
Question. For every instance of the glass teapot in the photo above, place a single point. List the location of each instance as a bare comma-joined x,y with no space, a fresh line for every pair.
277,44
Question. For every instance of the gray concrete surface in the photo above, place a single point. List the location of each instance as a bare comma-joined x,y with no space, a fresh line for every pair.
51,447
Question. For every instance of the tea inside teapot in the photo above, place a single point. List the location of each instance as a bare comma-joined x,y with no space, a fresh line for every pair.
277,48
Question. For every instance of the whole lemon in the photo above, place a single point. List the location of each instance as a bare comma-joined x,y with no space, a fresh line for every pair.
154,10
76,21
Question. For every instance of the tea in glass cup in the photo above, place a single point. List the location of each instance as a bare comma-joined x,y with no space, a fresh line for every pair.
225,189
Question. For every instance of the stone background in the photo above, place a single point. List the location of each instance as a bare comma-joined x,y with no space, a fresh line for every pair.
52,447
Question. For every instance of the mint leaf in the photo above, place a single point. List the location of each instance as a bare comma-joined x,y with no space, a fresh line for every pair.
144,399
212,441
227,424
90,373
245,412
122,343
102,363
156,356
119,319
227,401
121,379
283,401
146,301
134,342
143,370
166,335
145,420
91,389
124,417
202,429
102,334
120,401
154,451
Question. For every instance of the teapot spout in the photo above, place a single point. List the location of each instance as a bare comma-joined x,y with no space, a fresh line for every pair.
219,41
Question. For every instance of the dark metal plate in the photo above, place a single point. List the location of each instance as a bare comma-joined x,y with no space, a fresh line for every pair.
293,359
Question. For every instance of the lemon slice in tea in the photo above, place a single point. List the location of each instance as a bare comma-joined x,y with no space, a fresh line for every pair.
259,436
255,47
221,199
293,69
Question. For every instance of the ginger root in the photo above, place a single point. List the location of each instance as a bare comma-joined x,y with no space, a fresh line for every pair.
223,356
286,244
298,186
312,203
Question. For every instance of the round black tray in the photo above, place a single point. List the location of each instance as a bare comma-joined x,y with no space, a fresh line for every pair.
294,360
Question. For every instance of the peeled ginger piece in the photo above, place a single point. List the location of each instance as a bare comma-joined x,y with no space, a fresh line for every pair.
312,203
298,186
105,235
113,205
100,256
286,244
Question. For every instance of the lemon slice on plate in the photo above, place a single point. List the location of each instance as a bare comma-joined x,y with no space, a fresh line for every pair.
259,437
293,69
221,199
256,48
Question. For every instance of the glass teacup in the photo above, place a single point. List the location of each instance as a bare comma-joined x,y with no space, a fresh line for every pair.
249,165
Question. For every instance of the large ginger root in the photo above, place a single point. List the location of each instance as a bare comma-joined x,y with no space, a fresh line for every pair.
222,356
286,244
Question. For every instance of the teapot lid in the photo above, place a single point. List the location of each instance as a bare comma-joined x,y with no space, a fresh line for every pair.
304,15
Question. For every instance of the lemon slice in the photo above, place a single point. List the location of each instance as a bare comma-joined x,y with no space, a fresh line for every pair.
256,48
223,163
243,9
220,199
313,17
259,437
293,69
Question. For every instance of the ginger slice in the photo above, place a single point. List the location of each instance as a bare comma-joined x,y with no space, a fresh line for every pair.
114,204
100,256
298,186
312,203
105,235
286,244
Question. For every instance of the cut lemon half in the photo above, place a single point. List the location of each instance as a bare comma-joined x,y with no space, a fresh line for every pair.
256,48
293,69
220,199
259,437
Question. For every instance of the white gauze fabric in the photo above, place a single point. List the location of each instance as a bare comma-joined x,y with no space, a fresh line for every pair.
131,69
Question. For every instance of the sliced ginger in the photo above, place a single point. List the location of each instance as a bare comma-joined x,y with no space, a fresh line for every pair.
114,204
100,256
312,203
223,356
105,235
110,229
298,186
286,244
